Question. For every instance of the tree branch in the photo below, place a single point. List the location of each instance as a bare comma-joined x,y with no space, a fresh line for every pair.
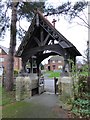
83,21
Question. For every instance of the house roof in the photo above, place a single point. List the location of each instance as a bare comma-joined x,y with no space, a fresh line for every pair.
57,57
31,43
4,49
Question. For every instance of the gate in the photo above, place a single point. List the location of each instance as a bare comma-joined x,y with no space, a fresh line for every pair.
41,84
56,85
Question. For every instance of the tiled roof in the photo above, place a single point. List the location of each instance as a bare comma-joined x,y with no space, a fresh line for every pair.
5,49
56,57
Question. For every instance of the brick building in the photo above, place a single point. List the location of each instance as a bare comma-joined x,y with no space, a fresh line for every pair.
54,63
4,56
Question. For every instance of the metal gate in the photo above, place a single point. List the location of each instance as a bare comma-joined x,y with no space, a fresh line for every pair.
41,84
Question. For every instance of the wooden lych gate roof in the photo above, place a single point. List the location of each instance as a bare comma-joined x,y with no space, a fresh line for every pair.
4,50
42,37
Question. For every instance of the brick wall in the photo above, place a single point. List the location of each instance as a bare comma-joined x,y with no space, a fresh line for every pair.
3,61
54,64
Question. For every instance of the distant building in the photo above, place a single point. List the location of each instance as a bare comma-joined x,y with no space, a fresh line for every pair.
4,56
55,63
79,65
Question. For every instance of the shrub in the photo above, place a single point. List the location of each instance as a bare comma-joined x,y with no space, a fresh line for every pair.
15,73
82,103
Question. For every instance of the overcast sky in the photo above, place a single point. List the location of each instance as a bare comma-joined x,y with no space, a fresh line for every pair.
75,33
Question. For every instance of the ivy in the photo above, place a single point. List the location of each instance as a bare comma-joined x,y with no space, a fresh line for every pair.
81,100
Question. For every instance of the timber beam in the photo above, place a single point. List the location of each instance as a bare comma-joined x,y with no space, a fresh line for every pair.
53,48
54,33
41,57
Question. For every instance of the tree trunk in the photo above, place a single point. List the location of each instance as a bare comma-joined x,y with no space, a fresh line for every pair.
10,65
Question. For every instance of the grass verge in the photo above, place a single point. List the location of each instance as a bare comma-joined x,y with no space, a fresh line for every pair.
22,109
27,110
7,97
52,74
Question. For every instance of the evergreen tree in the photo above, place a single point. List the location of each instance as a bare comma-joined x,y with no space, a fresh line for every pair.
19,11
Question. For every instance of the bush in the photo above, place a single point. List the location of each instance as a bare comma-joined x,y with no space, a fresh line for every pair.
15,73
82,103
82,84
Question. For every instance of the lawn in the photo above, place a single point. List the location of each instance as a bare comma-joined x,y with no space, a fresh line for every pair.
16,110
7,97
52,74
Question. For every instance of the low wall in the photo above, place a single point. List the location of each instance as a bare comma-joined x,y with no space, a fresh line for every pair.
25,85
65,89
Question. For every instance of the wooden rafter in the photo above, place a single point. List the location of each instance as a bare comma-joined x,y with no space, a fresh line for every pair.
46,39
37,41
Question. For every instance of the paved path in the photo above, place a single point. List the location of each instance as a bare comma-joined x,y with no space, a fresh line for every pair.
49,85
49,106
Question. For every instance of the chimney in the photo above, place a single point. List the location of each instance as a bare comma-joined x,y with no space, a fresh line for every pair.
54,22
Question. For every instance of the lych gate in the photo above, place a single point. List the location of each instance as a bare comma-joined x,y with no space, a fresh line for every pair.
41,41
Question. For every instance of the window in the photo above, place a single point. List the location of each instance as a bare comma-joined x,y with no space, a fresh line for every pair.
59,61
60,67
1,59
53,61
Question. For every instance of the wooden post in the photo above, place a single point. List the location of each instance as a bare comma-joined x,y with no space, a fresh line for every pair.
66,66
42,37
37,20
31,65
23,65
38,70
38,76
55,86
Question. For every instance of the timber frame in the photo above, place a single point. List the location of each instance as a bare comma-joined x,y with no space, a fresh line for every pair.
42,37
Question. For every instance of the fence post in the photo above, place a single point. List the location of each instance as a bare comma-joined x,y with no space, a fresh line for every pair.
55,85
